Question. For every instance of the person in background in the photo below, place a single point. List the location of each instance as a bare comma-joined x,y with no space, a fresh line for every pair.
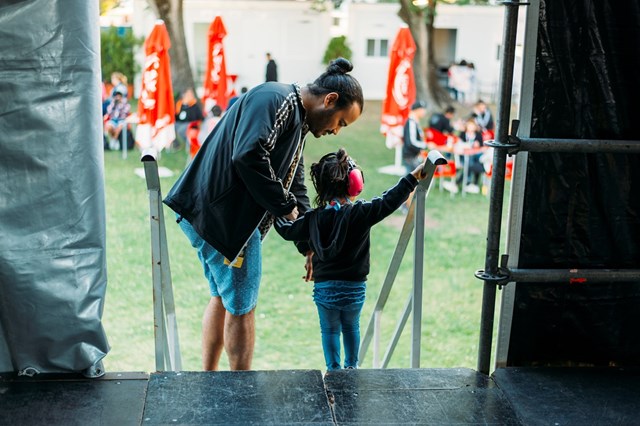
441,121
117,112
248,172
187,111
338,231
483,118
235,98
118,83
470,138
105,98
413,142
413,136
210,121
272,69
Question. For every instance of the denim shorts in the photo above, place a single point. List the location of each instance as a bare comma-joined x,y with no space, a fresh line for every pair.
237,287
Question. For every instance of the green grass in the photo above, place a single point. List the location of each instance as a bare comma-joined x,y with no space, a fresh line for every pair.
288,335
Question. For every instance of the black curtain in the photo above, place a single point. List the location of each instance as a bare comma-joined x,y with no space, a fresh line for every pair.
582,210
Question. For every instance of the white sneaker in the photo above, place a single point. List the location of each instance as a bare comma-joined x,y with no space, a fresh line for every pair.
472,189
114,144
450,186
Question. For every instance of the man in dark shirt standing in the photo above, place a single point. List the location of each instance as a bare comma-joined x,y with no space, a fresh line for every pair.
272,69
441,121
187,111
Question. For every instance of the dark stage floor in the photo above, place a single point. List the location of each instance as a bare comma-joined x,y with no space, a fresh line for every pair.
512,396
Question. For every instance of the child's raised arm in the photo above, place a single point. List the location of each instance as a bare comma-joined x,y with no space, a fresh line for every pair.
297,230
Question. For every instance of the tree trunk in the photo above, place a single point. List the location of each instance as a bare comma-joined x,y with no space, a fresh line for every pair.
439,94
170,11
420,22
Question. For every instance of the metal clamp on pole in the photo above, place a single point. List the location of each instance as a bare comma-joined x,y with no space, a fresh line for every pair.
167,346
513,142
500,278
513,3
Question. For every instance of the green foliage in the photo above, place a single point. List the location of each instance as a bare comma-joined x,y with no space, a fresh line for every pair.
337,47
117,46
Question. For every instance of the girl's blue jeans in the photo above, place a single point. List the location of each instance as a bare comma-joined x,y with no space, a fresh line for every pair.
333,322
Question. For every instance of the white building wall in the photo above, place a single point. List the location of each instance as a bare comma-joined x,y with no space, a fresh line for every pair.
297,37
294,34
478,34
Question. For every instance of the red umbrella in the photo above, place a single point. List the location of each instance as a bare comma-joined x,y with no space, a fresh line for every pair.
401,87
156,109
215,77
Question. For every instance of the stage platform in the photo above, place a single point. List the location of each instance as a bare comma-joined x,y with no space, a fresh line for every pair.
512,396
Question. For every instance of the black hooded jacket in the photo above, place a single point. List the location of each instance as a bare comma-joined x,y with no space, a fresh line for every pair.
236,180
340,239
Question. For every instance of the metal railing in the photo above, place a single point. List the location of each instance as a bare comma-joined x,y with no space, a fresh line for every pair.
415,220
165,326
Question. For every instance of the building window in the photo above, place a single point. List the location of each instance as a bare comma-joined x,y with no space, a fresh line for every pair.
377,47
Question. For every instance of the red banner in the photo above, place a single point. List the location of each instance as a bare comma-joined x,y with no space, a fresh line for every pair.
401,86
156,110
216,85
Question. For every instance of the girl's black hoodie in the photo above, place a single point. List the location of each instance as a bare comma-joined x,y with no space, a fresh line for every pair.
340,238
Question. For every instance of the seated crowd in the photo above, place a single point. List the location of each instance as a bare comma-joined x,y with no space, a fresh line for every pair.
461,142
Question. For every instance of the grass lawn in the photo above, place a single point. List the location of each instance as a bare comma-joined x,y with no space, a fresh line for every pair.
287,331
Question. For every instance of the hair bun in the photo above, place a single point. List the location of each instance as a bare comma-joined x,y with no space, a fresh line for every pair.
339,66
341,155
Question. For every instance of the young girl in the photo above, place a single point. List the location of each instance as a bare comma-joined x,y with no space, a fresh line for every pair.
338,233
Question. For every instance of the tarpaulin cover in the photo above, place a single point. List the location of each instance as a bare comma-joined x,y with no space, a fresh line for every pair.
582,210
52,212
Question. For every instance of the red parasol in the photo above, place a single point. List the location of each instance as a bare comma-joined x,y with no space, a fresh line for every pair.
401,87
156,109
215,78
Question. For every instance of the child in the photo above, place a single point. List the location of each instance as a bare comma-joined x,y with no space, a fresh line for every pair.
117,112
338,233
471,139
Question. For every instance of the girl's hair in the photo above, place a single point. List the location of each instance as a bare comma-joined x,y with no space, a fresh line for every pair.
336,79
330,177
119,76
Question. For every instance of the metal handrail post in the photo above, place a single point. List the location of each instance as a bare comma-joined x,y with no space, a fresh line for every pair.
167,347
418,272
497,184
398,331
171,322
377,318
433,160
373,328
158,314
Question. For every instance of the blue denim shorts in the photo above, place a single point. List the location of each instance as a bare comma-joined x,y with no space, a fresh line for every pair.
237,287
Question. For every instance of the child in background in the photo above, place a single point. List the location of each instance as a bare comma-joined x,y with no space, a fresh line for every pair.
471,139
115,118
338,231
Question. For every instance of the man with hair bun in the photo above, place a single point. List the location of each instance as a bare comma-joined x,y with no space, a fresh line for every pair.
249,171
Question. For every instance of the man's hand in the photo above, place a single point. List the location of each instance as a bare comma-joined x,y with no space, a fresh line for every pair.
308,266
293,215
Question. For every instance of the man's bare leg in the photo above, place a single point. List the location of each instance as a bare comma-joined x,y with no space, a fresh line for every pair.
212,334
240,334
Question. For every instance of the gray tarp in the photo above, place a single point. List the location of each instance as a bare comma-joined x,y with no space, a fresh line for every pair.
52,201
